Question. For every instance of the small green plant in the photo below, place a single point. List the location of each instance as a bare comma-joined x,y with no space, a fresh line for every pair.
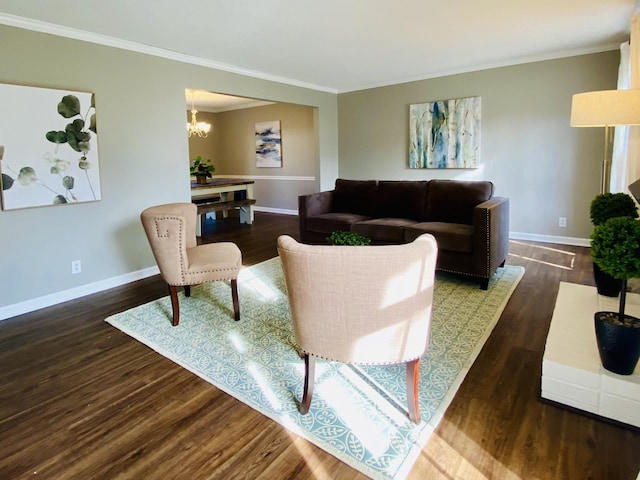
610,205
202,168
347,238
615,248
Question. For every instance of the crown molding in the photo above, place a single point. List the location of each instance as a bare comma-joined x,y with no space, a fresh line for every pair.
77,34
477,68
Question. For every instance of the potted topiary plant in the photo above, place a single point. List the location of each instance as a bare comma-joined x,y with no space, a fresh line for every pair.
347,238
615,247
202,169
603,207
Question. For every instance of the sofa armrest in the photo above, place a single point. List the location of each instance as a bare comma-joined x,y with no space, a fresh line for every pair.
312,205
315,204
491,234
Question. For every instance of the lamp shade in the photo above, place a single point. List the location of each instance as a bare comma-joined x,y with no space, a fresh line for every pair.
606,108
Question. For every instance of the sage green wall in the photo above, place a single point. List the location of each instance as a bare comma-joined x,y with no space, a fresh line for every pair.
140,102
231,145
528,149
547,168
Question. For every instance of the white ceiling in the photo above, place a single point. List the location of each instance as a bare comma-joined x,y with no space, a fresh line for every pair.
216,102
338,45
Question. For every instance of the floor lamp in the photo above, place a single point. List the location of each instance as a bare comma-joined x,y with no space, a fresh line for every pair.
606,108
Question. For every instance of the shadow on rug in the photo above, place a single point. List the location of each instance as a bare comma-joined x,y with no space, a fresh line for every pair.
358,413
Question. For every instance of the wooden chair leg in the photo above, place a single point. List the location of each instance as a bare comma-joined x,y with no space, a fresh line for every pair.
413,373
234,296
309,375
187,290
173,293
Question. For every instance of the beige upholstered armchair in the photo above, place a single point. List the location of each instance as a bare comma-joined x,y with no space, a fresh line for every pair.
363,305
171,230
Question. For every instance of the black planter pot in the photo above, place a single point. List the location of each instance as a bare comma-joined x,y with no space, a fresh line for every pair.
605,283
618,343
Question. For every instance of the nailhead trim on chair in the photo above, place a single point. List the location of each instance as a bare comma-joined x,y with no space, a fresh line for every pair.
359,363
181,239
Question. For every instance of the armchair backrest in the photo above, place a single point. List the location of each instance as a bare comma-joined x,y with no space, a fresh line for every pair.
361,304
171,230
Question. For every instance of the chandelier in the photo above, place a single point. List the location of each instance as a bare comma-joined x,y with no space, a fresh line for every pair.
201,129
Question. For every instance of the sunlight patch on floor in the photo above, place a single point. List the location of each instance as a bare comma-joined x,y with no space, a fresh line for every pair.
394,408
238,342
306,451
542,262
373,436
452,464
264,387
566,262
542,247
265,291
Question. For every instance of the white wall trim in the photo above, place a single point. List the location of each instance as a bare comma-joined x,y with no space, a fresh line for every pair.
288,178
33,304
283,211
77,34
571,52
534,237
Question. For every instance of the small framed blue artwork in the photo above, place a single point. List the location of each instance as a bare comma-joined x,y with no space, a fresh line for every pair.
268,144
445,134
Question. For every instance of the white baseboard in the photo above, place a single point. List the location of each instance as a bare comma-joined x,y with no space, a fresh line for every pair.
534,237
288,178
282,211
33,304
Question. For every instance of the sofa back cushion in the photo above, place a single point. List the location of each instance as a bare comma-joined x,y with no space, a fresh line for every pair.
354,196
401,199
453,201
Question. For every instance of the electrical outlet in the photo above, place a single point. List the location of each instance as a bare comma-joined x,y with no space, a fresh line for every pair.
76,266
562,221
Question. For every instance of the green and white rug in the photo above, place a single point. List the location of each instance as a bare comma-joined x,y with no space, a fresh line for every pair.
358,414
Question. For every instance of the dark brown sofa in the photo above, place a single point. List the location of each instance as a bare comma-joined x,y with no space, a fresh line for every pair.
470,225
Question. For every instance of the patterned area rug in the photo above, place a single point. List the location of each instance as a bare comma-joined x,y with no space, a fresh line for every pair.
358,414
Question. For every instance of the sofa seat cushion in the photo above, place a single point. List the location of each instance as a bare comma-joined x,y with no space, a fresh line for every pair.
383,230
331,222
453,237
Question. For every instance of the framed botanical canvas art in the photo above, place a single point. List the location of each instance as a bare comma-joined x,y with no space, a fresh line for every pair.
48,147
445,134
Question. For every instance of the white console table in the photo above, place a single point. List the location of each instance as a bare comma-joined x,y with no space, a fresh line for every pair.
571,370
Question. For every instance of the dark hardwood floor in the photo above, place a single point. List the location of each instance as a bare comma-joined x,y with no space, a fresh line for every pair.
81,400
